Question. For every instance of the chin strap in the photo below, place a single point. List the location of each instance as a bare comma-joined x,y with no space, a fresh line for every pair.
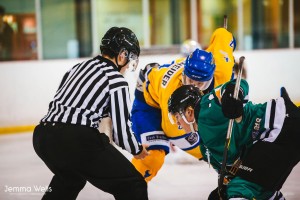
121,66
189,123
192,126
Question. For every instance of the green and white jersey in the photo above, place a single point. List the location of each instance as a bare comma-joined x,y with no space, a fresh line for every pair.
259,122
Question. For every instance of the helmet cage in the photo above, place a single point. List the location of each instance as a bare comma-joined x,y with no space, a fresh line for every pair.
132,59
172,117
202,85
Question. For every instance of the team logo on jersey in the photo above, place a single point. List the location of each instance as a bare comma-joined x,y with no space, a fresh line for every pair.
172,70
192,138
226,57
147,174
232,43
256,127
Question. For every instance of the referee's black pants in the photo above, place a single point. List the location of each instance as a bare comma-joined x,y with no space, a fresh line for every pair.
76,154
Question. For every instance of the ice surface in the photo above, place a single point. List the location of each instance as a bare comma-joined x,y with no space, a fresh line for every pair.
181,178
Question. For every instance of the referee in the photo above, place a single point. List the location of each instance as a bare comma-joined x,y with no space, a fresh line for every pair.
67,138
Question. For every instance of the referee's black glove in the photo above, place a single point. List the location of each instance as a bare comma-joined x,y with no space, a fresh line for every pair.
232,108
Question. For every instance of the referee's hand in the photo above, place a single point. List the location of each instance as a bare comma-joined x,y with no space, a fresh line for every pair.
143,153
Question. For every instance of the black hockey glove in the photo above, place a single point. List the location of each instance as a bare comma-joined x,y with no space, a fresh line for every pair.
291,109
218,195
232,108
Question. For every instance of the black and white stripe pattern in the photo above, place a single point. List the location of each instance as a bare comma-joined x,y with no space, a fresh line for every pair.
87,92
274,119
277,196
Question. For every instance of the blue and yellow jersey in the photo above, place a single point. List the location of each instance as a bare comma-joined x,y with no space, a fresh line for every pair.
222,45
163,81
159,85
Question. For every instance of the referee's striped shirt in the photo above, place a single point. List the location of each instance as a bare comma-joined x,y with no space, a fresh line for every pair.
87,93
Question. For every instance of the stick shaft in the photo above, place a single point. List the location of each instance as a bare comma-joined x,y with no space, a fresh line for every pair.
225,22
230,125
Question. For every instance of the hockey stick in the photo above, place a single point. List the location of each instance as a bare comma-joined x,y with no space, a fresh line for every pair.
225,22
229,130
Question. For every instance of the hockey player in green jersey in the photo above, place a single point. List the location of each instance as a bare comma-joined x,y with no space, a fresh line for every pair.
265,140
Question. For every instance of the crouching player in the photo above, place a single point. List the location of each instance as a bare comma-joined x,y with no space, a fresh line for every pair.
204,69
265,140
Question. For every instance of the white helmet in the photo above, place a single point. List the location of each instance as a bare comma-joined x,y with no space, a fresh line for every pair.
189,46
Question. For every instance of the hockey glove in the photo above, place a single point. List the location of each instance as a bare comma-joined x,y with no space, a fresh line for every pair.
232,108
218,195
142,74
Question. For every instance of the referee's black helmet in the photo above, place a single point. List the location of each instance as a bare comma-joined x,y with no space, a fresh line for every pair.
118,38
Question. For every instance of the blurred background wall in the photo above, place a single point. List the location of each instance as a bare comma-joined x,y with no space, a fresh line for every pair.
58,29
28,87
48,37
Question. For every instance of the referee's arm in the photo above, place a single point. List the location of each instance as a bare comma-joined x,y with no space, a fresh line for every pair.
120,114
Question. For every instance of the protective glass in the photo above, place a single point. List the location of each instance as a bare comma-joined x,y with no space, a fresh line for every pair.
201,85
175,117
133,61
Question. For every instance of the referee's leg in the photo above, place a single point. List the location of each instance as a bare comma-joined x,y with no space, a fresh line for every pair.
76,154
66,183
112,172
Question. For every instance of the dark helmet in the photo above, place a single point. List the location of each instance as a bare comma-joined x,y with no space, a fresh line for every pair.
2,10
118,38
183,97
